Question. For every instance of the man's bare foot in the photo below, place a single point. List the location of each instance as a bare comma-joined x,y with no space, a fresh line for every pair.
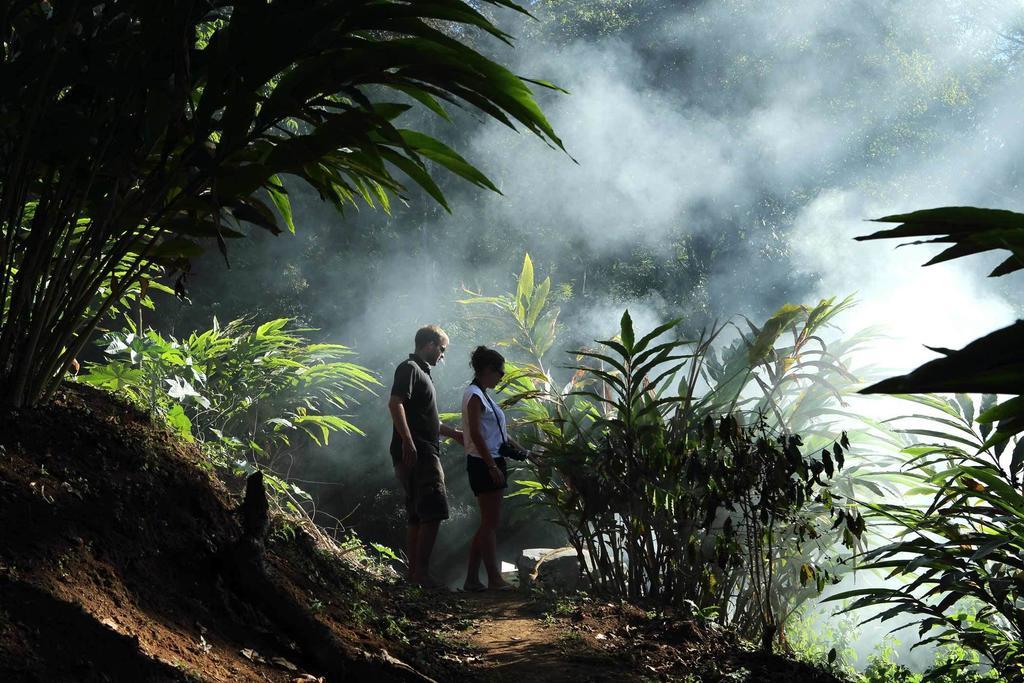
503,586
473,586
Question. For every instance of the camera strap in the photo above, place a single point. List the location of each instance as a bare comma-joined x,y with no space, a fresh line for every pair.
494,411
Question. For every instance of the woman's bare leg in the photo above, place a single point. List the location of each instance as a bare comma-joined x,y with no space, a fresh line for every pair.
490,515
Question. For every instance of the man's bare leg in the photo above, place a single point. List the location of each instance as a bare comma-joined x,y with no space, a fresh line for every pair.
424,546
412,533
473,567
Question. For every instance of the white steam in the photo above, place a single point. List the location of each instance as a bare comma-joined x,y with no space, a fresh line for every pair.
846,111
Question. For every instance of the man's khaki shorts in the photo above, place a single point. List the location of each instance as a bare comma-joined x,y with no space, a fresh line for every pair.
426,499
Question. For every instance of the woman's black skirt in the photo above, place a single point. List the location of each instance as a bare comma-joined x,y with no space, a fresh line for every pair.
480,476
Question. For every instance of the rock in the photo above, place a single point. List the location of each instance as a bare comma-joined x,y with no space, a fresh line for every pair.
510,573
554,568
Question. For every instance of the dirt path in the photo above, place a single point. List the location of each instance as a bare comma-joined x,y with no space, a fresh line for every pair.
520,638
517,641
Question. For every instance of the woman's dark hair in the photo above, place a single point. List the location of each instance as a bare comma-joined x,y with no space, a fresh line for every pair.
484,358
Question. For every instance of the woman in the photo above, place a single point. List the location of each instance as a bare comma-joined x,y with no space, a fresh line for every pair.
485,429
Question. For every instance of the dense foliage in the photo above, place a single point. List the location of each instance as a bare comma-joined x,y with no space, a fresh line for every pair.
134,131
675,468
668,502
959,556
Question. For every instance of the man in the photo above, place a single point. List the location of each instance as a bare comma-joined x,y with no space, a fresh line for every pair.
415,449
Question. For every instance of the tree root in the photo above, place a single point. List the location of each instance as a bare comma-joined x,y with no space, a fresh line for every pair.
257,583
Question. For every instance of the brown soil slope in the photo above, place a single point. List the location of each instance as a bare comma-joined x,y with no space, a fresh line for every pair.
112,540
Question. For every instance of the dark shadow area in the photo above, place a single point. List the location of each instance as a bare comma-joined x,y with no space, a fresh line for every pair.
46,639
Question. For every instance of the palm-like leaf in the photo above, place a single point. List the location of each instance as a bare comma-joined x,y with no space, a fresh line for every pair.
137,131
970,231
994,363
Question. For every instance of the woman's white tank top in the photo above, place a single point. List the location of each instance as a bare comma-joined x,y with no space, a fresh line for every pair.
492,422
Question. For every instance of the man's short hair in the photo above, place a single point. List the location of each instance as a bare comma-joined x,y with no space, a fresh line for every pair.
430,334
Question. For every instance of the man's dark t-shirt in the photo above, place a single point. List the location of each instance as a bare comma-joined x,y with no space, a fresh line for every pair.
414,385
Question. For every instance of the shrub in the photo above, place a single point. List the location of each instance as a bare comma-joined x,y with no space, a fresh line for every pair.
251,393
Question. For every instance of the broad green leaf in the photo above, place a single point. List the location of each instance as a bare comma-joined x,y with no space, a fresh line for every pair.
279,196
771,330
538,300
626,333
524,288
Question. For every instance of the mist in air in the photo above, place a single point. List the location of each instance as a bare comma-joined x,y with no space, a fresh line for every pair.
721,156
759,135
791,122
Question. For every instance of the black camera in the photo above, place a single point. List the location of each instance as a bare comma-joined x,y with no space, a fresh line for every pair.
508,450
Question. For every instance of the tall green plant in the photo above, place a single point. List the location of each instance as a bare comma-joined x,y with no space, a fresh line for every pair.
135,132
635,461
526,321
714,511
